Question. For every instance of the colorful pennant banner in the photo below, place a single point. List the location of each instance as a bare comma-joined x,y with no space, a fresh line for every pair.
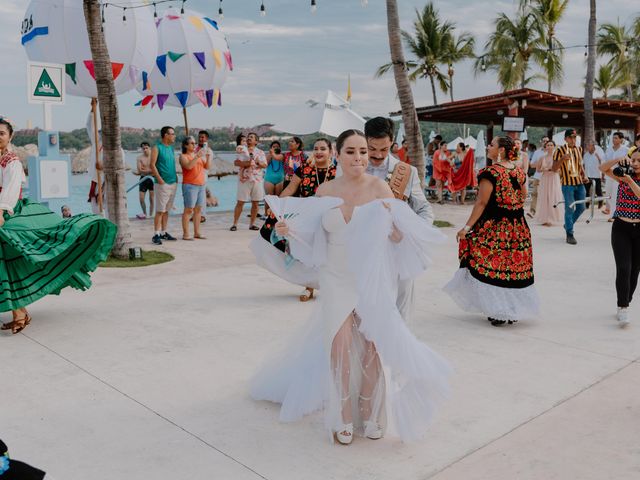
182,98
70,69
161,62
161,99
200,57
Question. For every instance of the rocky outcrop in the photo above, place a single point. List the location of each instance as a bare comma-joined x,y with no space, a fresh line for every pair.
80,161
222,167
25,152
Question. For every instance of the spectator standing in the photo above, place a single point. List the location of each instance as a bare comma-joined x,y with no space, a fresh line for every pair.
250,182
625,232
535,180
592,162
143,163
550,188
194,178
568,161
394,148
274,174
403,153
163,167
523,156
293,159
617,151
441,169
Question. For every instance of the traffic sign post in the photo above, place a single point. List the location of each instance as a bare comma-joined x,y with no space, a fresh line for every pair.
45,85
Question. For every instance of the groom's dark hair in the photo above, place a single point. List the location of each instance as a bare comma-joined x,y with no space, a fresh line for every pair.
379,127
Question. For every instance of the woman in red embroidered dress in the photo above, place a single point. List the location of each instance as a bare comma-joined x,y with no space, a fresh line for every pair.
496,260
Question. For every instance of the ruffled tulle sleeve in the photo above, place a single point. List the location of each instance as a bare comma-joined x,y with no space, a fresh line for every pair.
12,178
307,239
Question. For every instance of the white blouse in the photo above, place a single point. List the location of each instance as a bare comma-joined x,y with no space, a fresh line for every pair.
11,179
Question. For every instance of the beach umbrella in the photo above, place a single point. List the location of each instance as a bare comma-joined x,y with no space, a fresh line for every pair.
332,117
470,142
454,143
55,31
191,64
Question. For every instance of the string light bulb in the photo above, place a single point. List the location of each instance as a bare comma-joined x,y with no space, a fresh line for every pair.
314,7
263,10
513,62
586,51
155,10
124,14
220,12
182,7
364,3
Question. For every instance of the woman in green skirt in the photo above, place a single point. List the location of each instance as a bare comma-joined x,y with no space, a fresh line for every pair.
40,253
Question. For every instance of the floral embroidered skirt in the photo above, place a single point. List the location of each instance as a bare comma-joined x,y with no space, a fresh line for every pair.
496,270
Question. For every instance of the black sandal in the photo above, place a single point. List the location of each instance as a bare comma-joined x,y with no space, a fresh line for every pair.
233,228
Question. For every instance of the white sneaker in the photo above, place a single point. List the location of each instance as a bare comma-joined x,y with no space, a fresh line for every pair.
623,317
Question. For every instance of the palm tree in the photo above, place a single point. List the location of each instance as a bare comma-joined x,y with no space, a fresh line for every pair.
457,50
589,123
613,41
550,13
432,39
114,167
409,114
607,79
512,47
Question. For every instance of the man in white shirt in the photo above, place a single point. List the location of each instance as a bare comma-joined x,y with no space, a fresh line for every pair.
535,180
379,134
617,151
592,161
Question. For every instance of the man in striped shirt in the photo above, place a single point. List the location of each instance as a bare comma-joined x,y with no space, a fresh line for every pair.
567,161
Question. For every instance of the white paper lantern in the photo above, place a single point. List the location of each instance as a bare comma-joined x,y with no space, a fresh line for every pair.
55,31
192,62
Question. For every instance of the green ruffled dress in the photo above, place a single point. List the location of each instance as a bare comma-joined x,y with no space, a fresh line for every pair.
41,253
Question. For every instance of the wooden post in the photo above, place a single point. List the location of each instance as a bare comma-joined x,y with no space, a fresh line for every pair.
186,121
513,112
489,140
94,110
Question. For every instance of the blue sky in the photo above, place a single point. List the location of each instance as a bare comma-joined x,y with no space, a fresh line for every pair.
290,56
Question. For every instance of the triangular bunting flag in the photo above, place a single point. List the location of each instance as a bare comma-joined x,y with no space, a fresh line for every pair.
161,62
227,57
182,98
218,58
138,103
201,96
89,65
158,22
145,81
70,69
213,23
197,22
200,57
153,104
146,100
209,97
162,98
116,68
173,17
219,98
216,94
174,57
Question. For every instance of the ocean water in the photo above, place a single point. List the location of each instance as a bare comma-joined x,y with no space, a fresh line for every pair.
224,189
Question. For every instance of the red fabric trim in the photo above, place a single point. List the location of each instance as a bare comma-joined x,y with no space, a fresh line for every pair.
465,175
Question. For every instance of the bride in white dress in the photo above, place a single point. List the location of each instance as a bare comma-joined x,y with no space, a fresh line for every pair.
356,359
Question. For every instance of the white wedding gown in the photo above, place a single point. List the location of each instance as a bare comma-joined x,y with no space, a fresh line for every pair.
356,348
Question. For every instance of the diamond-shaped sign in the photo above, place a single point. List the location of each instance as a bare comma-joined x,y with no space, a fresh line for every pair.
45,86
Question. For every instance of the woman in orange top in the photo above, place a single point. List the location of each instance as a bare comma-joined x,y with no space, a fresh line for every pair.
194,179
441,168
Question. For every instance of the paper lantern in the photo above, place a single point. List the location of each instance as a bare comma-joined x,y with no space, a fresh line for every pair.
55,31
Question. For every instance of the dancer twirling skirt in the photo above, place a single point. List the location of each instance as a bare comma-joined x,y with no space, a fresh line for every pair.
496,260
40,253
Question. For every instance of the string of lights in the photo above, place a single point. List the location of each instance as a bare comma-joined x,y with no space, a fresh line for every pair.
262,10
627,44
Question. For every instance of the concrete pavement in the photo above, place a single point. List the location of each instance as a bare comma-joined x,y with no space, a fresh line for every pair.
146,375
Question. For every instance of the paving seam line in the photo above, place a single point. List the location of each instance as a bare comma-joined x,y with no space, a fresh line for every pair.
561,402
146,407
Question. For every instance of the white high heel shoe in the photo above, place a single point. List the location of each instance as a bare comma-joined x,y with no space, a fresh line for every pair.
372,430
345,435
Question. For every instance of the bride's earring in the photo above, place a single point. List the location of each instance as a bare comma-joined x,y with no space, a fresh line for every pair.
499,157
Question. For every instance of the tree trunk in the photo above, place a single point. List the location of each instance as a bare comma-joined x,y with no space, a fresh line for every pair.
451,86
409,114
113,162
433,89
589,124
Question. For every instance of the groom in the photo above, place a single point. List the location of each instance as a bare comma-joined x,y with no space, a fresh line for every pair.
379,133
